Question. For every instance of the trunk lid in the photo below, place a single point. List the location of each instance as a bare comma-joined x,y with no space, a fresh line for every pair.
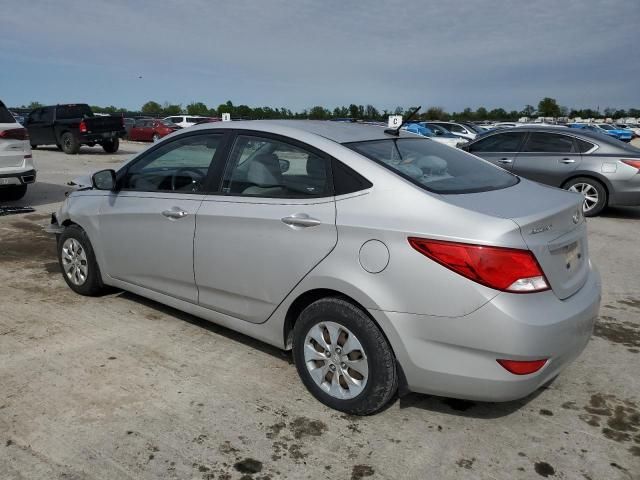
551,224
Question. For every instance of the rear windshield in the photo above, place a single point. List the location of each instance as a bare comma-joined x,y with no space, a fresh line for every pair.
435,167
65,112
5,115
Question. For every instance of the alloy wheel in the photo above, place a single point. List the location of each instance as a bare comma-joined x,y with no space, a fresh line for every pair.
74,261
336,360
589,193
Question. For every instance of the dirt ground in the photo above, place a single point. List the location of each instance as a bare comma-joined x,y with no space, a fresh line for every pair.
123,387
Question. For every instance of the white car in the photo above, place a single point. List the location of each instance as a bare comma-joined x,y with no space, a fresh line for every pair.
185,120
464,130
17,169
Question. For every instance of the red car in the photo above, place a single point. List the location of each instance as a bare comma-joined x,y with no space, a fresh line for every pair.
150,130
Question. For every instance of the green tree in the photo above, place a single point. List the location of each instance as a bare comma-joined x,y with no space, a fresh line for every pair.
435,113
548,107
498,114
151,108
171,109
528,111
482,114
319,113
34,105
197,108
226,108
371,113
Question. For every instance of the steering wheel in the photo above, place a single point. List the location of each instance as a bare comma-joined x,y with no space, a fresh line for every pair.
195,174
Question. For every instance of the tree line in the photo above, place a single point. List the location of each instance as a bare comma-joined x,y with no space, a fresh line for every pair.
547,107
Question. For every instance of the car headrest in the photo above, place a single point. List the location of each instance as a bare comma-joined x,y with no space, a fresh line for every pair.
264,171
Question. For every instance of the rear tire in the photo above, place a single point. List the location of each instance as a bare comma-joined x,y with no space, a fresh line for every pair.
358,375
595,195
111,146
70,144
13,193
78,262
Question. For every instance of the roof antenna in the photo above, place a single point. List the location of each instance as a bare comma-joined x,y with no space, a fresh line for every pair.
396,131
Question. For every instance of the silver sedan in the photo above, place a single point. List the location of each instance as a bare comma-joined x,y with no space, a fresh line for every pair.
386,262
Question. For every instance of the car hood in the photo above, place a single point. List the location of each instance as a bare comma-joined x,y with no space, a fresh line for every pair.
83,181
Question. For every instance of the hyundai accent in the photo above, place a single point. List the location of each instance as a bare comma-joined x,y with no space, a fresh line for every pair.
387,262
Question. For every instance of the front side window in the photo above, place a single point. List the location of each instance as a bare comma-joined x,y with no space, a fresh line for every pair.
435,167
178,166
540,142
501,142
272,168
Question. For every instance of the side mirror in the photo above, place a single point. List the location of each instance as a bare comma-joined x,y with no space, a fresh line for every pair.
104,180
284,165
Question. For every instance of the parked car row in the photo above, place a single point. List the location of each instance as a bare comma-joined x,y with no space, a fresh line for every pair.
603,169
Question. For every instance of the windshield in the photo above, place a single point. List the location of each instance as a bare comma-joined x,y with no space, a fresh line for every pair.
66,112
435,167
473,127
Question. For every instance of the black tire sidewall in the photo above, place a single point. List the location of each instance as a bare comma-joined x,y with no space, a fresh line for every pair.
382,376
74,146
111,146
93,283
602,194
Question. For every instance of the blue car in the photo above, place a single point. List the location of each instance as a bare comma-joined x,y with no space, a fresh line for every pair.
606,129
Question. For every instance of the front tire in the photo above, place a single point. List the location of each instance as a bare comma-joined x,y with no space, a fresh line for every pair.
343,358
111,146
594,193
70,144
13,193
78,262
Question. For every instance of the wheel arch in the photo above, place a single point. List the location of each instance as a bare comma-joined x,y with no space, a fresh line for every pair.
307,298
593,175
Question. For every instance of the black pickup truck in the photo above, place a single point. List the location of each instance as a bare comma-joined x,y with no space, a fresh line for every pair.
71,125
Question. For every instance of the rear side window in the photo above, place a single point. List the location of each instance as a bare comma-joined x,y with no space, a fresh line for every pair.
584,146
346,180
540,142
501,142
5,115
435,167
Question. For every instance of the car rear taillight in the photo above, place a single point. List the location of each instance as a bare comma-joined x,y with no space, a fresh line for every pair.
631,162
522,367
506,269
15,134
82,127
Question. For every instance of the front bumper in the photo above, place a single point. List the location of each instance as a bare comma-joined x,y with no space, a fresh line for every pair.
20,178
456,356
85,138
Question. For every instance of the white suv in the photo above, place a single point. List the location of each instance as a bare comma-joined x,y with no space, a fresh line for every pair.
185,120
17,169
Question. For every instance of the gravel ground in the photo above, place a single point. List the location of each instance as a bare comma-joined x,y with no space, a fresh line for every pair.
123,387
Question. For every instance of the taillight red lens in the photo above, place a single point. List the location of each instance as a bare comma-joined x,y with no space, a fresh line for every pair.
631,163
506,269
522,367
82,127
15,134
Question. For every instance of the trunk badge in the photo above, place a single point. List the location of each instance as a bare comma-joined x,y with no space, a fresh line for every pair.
543,228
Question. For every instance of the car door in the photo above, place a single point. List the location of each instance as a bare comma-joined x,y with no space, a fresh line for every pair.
500,149
147,226
548,157
37,127
273,222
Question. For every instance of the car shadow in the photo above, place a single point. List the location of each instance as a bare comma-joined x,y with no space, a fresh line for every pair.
450,406
630,213
97,150
210,326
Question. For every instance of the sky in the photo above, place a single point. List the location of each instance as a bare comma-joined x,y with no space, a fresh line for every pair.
301,53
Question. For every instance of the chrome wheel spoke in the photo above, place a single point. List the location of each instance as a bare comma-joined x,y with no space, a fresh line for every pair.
310,353
361,366
74,261
317,334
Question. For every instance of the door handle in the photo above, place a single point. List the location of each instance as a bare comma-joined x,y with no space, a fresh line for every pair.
505,160
175,214
301,220
567,160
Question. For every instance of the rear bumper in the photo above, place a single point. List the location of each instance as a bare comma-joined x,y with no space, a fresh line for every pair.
625,192
456,356
99,137
18,178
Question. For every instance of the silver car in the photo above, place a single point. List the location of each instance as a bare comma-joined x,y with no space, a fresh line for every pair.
385,261
603,169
